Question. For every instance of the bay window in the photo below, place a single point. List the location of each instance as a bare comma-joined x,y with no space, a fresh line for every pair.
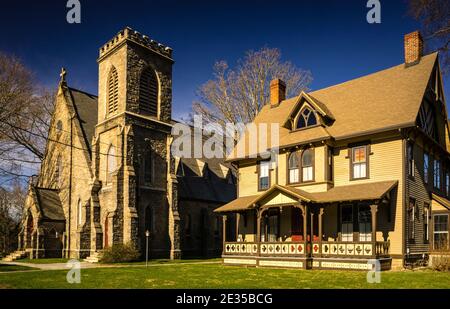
307,165
294,168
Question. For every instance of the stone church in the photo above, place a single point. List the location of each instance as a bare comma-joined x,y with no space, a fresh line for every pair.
108,175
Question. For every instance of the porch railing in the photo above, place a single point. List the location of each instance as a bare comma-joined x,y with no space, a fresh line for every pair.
315,249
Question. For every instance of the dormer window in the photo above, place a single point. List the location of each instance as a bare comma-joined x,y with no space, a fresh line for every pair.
306,118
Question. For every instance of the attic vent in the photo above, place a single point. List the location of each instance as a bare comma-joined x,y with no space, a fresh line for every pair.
148,93
113,91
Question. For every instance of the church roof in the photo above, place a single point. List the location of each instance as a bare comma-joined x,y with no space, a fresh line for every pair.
86,107
385,100
206,180
49,204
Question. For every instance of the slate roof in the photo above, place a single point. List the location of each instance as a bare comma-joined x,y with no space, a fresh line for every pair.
206,180
384,100
86,107
49,204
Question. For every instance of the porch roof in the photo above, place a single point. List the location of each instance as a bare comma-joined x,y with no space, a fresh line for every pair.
443,201
357,192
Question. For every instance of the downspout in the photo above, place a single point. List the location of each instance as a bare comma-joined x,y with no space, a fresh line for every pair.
404,188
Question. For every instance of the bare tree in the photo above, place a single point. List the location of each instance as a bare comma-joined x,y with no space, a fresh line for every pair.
434,16
11,208
236,95
25,112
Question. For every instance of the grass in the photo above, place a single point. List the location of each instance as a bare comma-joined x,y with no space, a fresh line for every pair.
11,268
42,261
181,275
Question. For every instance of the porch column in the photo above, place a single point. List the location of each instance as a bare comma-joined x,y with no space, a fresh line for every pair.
311,237
258,229
373,212
224,228
238,218
320,229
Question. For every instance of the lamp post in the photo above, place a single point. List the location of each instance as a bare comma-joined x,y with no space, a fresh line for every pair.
147,235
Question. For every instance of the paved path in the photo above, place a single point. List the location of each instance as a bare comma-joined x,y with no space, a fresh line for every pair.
85,265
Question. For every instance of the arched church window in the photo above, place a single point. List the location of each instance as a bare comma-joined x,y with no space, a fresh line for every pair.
113,91
147,168
294,167
148,92
111,164
306,118
58,171
59,127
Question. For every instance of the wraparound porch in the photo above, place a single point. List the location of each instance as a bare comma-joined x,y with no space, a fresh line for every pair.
287,227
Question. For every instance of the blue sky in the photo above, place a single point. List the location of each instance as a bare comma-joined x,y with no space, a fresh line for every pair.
330,38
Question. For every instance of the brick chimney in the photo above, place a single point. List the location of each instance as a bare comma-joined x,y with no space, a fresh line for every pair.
413,48
277,92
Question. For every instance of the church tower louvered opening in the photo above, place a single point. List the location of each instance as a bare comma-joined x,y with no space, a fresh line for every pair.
113,91
148,92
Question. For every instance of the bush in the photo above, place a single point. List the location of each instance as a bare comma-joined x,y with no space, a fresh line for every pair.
441,260
120,253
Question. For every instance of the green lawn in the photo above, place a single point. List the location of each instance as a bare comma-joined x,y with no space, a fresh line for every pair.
218,276
42,261
10,268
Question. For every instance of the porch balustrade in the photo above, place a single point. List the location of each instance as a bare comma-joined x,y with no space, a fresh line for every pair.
315,249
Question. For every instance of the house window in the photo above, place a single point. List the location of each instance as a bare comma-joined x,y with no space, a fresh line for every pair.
347,222
440,238
148,92
410,154
111,163
437,174
217,225
359,162
365,223
447,183
306,118
272,225
330,164
79,213
307,165
294,168
426,167
411,218
147,168
113,91
426,222
188,225
264,178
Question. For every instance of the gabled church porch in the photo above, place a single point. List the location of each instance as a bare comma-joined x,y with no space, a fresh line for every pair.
281,228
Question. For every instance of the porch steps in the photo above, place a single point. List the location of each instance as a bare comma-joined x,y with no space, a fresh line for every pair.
16,255
94,258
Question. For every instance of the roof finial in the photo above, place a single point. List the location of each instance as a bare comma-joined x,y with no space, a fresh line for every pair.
63,74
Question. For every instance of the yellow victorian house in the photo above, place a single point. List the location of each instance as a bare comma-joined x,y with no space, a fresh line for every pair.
361,178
